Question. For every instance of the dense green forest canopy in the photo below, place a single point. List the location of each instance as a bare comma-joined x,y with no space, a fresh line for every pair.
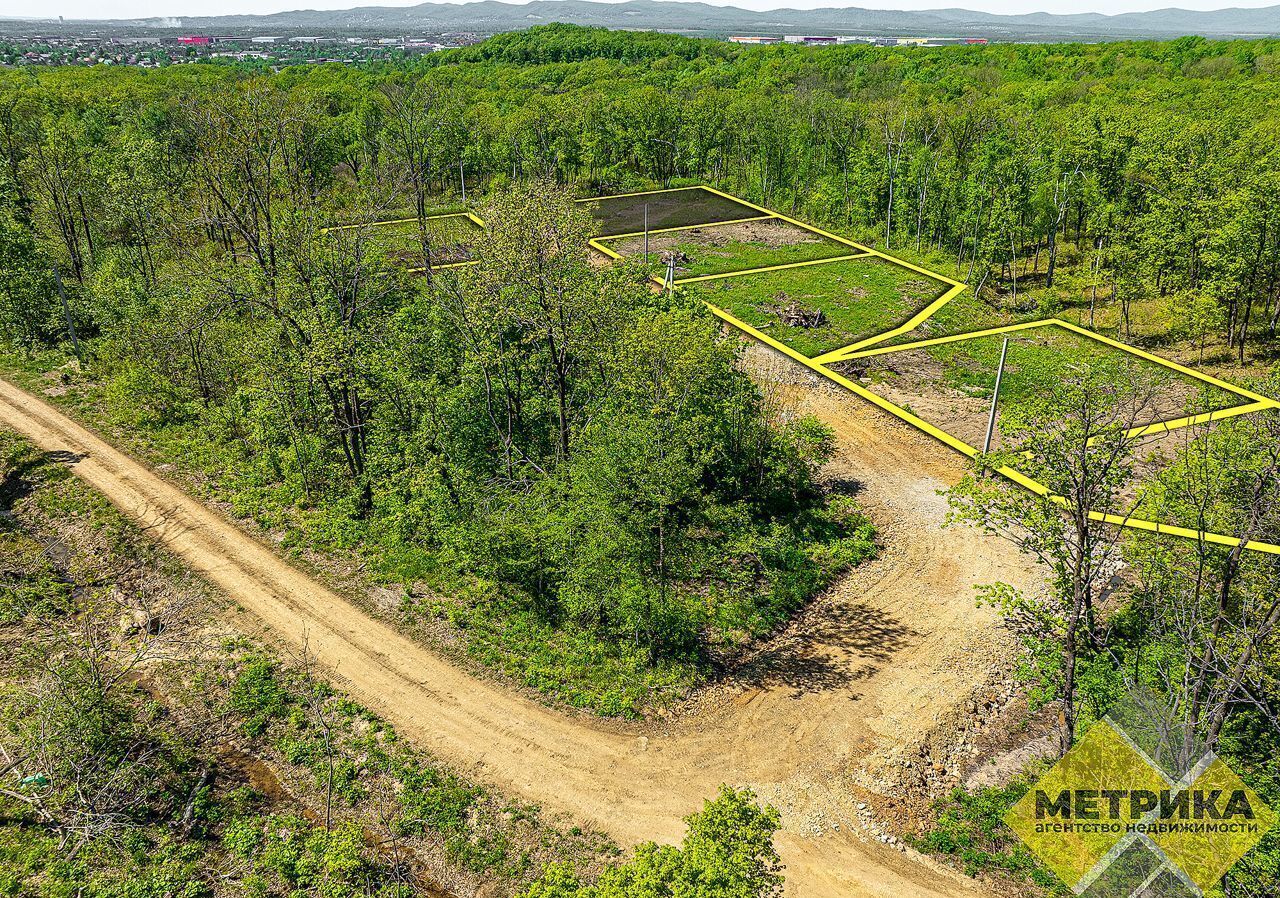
573,476
1150,167
493,420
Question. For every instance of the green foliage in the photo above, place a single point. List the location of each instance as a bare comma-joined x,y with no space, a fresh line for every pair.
289,855
258,696
30,313
727,853
107,794
970,828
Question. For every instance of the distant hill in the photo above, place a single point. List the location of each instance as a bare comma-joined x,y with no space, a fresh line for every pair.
492,16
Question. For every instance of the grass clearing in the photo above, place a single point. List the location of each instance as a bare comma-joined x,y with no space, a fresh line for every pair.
666,209
950,384
858,297
451,236
726,248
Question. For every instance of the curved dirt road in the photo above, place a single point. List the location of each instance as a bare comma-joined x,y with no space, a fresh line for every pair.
874,668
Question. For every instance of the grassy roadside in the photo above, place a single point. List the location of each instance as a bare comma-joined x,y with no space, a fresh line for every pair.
244,772
466,617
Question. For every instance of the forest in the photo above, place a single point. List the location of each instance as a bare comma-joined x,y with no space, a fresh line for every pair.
572,480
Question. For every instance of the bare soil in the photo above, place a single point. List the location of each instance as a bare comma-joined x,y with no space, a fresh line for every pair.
824,718
770,232
626,214
916,380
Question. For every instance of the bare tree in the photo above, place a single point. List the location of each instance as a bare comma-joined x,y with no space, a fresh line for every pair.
1079,438
1217,606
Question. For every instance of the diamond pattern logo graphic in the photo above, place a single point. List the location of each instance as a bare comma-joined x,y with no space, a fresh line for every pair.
1111,822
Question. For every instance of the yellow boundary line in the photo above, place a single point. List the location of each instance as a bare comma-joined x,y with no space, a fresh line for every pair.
595,243
961,446
391,221
857,350
444,267
618,196
680,282
692,227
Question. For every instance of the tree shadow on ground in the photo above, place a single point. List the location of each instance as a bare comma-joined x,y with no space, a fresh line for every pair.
833,649
19,480
844,486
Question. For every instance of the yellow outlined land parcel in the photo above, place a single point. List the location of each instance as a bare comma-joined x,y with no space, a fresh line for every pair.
871,345
1251,402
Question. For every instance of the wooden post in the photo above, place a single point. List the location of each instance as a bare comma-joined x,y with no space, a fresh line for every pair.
646,233
995,396
462,177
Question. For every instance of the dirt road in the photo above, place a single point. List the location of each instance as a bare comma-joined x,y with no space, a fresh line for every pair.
874,666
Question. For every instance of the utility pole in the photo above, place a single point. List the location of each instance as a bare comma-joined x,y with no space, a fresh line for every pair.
66,312
995,396
646,233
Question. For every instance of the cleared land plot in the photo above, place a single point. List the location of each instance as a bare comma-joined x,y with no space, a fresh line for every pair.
1157,454
667,209
950,384
452,238
858,298
727,248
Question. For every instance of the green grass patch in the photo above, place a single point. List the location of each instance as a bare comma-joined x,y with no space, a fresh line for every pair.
859,298
452,237
451,240
725,248
970,830
1042,356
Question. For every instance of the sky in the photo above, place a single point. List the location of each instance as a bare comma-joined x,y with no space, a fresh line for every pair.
114,9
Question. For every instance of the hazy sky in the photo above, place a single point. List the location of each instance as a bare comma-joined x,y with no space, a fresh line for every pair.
101,9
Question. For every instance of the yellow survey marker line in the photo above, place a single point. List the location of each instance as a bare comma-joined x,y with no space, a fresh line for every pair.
961,446
596,244
1202,418
846,354
616,196
747,271
692,227
853,350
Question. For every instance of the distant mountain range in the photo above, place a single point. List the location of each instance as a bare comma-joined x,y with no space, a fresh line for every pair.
669,15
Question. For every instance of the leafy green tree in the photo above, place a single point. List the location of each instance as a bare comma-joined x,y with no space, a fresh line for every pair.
727,853
30,314
1078,438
